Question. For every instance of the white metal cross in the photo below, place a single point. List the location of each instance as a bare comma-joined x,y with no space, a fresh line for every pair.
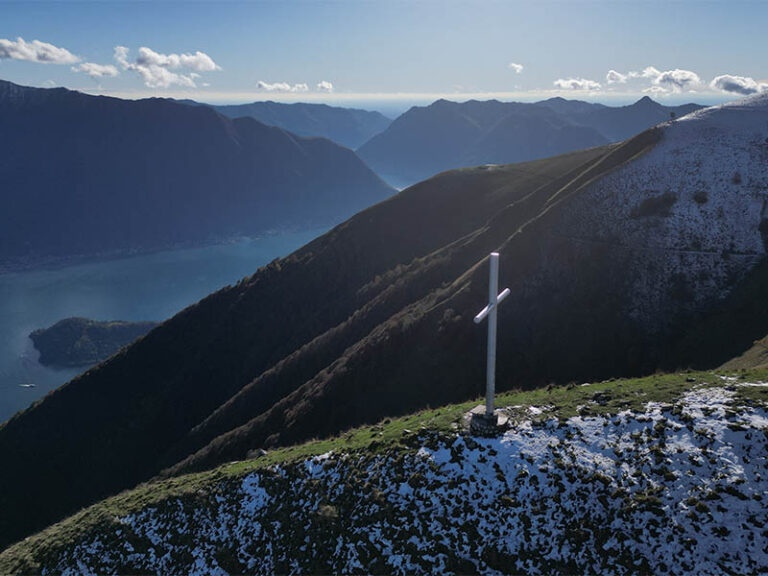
494,299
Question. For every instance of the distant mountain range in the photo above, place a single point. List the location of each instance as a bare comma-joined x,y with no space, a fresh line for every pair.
84,175
622,259
446,135
349,127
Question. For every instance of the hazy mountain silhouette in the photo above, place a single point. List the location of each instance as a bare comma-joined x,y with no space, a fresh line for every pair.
87,174
445,135
349,127
621,122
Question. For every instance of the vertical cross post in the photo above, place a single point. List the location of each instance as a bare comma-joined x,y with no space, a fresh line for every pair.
494,299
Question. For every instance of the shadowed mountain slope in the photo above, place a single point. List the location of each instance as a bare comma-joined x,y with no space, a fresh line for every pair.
349,127
87,174
610,253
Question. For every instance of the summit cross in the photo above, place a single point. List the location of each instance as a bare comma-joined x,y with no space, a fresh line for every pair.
494,299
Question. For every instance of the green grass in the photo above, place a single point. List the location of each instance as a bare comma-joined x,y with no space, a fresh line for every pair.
390,435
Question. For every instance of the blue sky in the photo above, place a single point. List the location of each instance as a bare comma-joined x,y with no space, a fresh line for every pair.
390,53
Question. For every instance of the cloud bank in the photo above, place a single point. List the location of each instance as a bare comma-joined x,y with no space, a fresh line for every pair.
738,84
165,70
287,88
35,51
96,70
281,87
577,84
677,80
614,77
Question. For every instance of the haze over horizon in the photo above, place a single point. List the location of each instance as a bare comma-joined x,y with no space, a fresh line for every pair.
390,55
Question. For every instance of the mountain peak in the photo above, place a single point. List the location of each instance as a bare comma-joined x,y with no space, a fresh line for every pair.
647,101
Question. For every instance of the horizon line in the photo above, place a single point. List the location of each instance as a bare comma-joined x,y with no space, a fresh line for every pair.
394,98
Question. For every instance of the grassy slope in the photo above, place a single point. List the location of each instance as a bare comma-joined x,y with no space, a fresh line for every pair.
755,357
123,421
390,437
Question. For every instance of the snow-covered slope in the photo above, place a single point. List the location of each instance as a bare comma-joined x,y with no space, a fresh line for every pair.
675,487
688,218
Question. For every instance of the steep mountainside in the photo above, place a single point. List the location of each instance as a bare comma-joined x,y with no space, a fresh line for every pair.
83,342
664,475
349,127
610,254
755,357
85,174
445,135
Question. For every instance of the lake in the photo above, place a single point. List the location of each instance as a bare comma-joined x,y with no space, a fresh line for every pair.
148,287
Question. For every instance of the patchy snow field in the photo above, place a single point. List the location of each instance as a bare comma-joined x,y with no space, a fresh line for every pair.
687,214
676,488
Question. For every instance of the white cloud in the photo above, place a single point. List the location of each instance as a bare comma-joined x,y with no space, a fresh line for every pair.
157,70
614,77
281,87
677,80
577,84
199,61
656,90
518,68
648,72
96,70
738,84
35,51
325,86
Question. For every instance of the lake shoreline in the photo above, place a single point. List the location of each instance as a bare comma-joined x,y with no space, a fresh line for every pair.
53,263
132,287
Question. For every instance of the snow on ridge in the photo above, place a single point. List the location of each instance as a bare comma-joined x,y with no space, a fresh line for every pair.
675,488
683,220
751,104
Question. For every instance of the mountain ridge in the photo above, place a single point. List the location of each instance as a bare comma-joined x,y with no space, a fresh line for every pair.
427,140
349,127
175,175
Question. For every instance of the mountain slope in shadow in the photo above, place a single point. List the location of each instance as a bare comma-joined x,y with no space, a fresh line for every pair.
609,252
349,127
85,175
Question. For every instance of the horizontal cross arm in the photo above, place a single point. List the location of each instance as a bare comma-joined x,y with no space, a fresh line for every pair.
485,311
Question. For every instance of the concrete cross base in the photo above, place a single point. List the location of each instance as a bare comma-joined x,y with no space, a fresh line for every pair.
480,424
